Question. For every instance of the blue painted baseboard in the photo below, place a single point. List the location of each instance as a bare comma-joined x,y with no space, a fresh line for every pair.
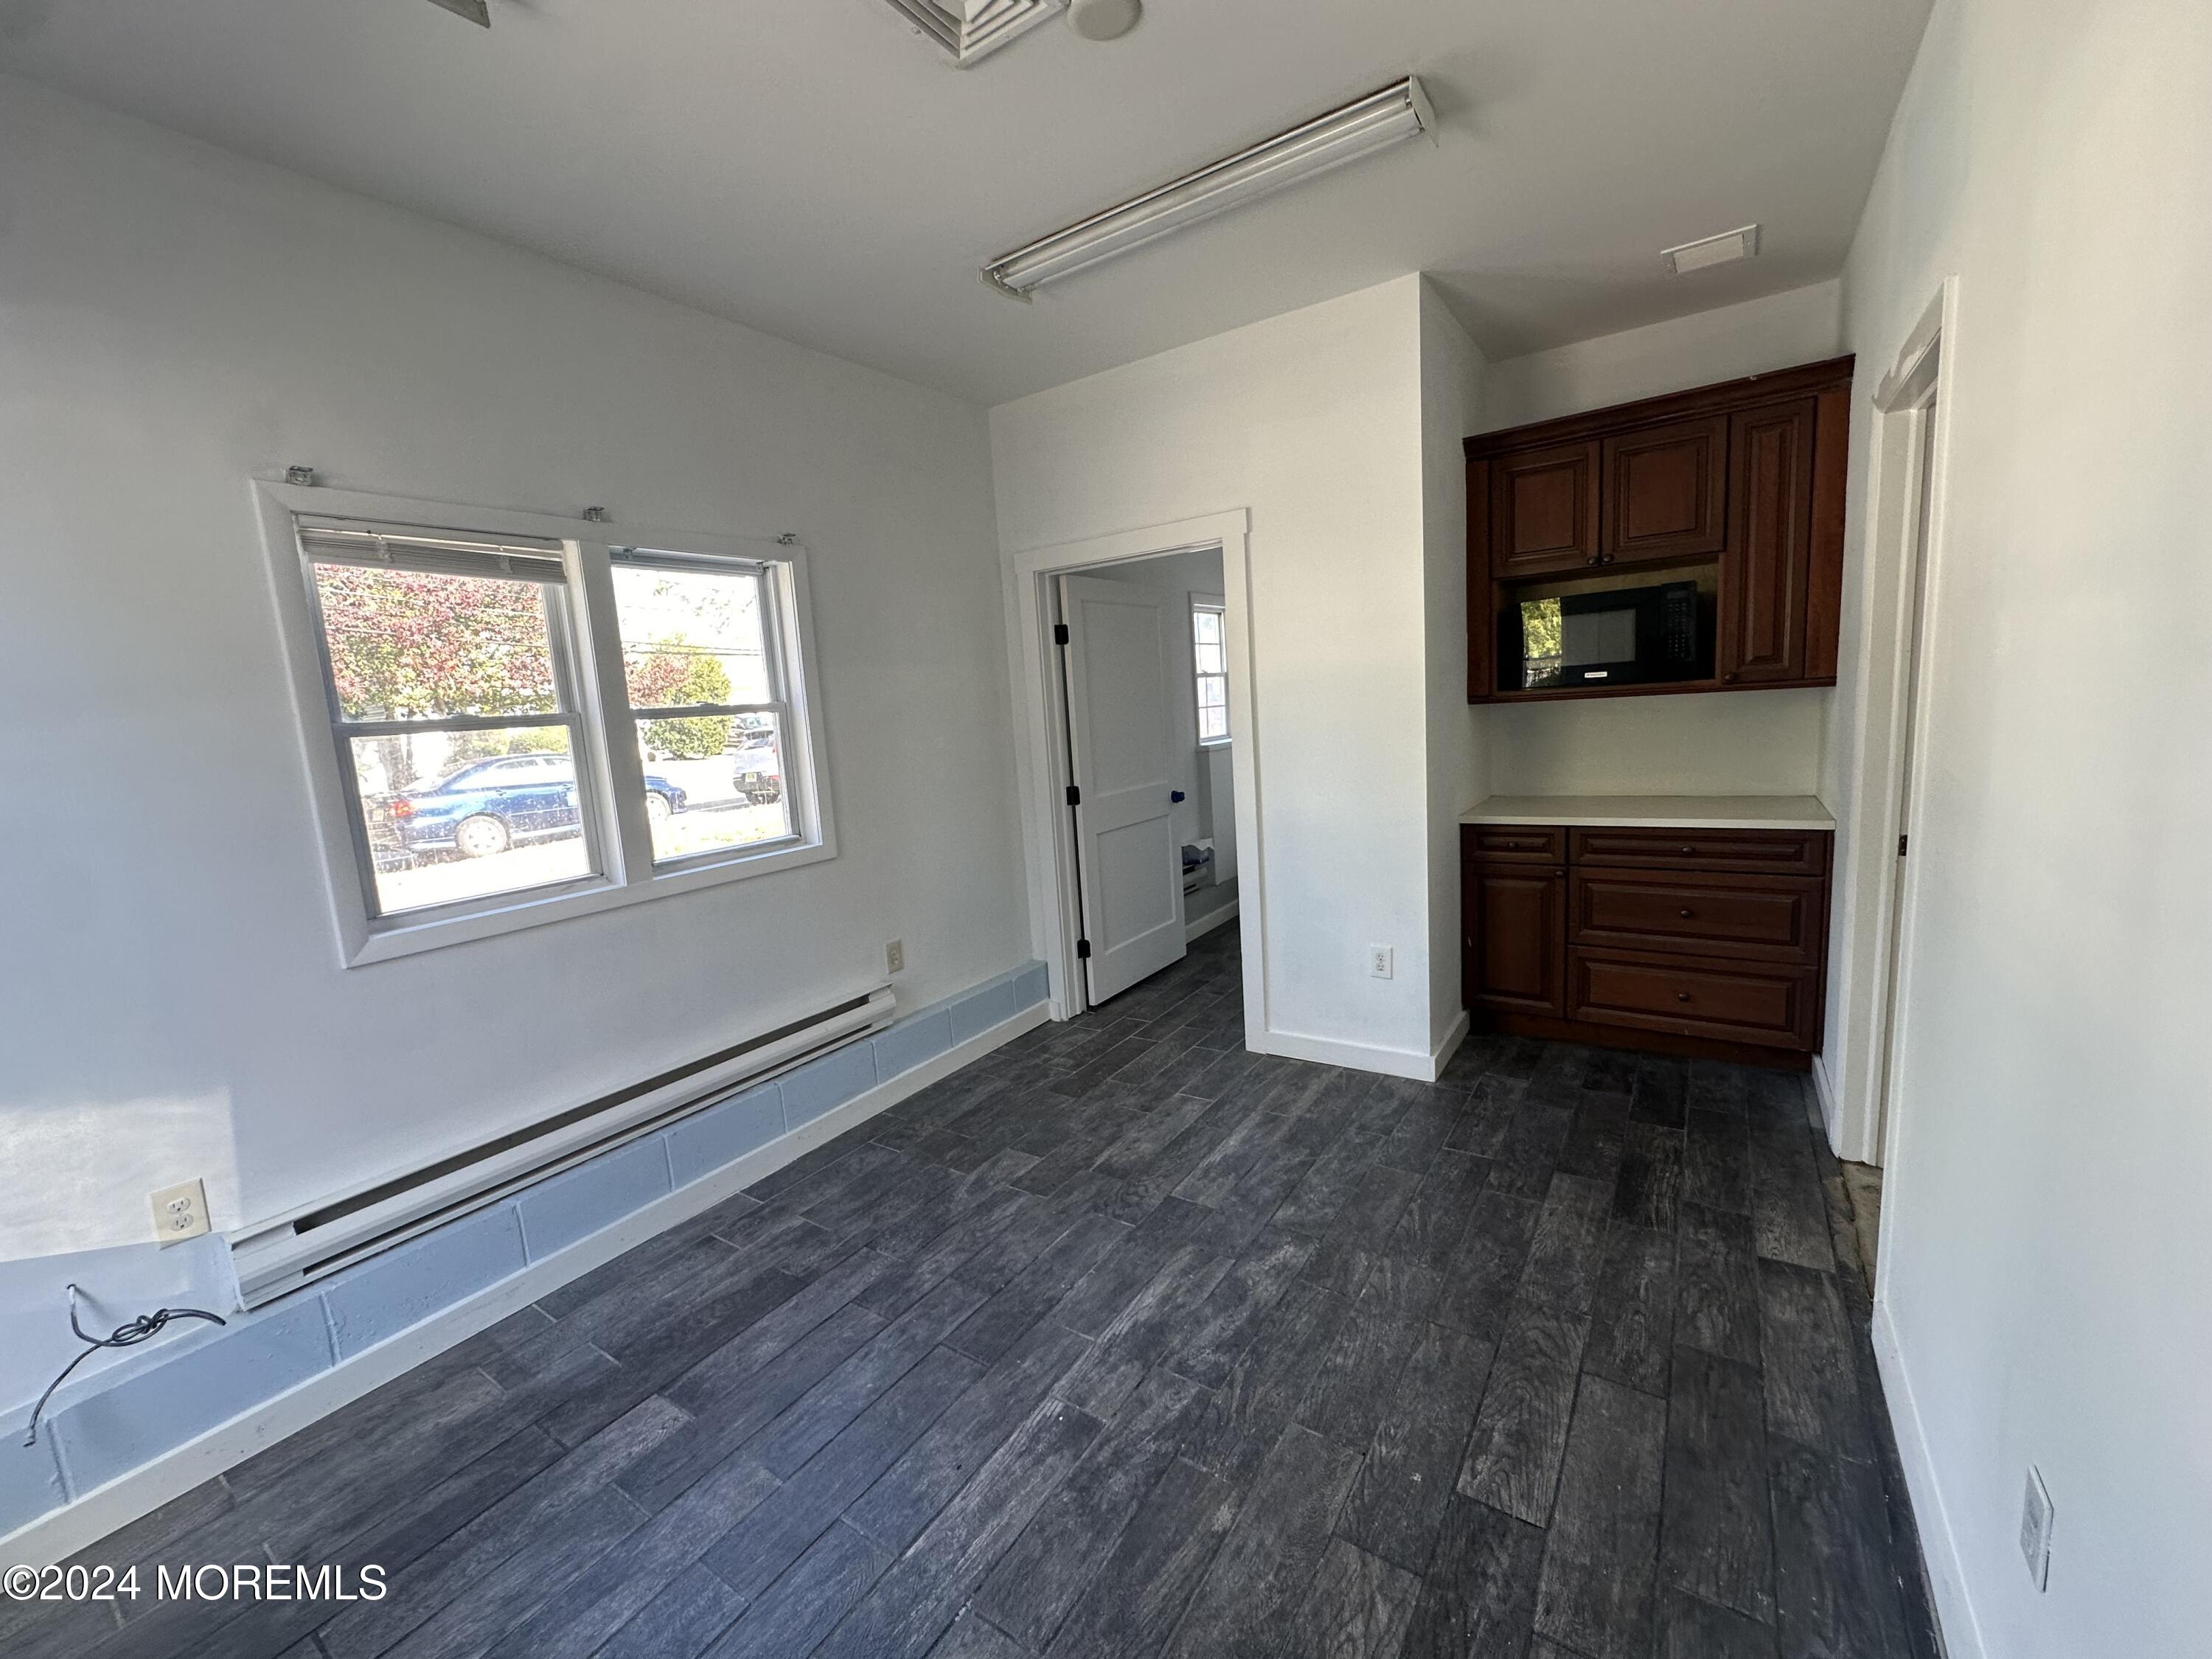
121,1419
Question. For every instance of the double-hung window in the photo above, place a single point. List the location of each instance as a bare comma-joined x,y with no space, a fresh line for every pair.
510,724
1210,654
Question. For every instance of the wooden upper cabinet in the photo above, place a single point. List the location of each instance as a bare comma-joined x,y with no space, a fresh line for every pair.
1666,491
1738,487
1769,560
1544,510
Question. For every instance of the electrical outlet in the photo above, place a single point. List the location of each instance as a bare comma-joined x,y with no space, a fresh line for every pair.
1379,961
894,956
180,1213
2035,1518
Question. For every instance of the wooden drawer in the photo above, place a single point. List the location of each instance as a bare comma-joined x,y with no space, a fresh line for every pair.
1754,918
1770,1006
1780,852
1506,843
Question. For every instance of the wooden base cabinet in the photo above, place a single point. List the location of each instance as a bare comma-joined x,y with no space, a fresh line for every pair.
1687,940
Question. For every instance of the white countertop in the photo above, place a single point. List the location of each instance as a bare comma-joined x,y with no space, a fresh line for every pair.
1655,812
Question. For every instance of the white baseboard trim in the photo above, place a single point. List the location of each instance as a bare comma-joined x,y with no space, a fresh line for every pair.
1358,1056
1194,930
1440,1056
60,1534
1831,1113
1961,1632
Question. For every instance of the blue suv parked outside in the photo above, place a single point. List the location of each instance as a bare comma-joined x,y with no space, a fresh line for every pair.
490,806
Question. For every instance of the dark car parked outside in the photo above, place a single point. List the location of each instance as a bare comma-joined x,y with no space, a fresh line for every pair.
490,806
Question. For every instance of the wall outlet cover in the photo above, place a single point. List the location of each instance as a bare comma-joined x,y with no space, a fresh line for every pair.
1380,960
180,1213
2035,1518
894,956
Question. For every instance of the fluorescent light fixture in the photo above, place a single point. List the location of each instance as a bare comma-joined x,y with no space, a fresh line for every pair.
1728,246
1375,122
970,29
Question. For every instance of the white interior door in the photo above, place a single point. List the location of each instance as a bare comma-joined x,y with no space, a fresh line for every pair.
1915,638
1120,749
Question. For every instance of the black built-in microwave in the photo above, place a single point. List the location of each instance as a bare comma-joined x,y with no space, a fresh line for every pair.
1621,636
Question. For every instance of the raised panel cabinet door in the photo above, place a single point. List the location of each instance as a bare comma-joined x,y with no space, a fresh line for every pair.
1766,572
1666,491
1543,510
1516,940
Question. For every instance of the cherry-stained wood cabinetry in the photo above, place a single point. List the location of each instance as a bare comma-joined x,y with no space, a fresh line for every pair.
1738,488
1543,510
1689,940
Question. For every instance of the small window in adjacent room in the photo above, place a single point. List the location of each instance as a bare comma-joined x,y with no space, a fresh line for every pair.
1211,652
527,722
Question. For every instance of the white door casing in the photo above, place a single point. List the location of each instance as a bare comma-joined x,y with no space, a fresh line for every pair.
1121,744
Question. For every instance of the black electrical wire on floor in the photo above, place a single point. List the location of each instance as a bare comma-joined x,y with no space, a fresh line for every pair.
128,1334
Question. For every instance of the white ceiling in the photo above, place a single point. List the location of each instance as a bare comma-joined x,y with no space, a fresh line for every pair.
819,170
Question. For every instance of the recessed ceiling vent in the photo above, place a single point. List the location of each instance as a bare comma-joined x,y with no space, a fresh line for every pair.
974,29
1724,249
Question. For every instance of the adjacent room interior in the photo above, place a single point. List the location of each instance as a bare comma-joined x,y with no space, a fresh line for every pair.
1105,830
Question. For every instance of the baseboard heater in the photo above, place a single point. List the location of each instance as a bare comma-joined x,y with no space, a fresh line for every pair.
319,1239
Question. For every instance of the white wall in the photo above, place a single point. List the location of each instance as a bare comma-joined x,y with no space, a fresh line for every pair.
173,321
1459,761
1312,422
1764,743
2047,1226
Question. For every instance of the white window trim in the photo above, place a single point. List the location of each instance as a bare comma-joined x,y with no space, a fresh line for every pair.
623,839
1219,603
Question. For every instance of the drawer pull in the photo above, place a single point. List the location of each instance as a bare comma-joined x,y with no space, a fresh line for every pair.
1686,851
1681,996
1687,914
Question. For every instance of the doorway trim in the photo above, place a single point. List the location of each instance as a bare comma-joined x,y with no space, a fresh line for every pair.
1041,763
1868,902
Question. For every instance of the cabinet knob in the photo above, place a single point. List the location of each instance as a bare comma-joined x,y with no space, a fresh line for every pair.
1681,996
1687,914
1685,852
1594,558
1728,679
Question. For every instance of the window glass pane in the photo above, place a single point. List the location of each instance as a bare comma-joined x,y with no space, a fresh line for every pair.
708,802
463,815
410,644
691,636
1213,692
1212,723
1210,659
1207,626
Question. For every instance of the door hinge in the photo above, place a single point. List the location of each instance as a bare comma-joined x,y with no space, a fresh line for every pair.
1083,949
1074,796
1900,847
1059,633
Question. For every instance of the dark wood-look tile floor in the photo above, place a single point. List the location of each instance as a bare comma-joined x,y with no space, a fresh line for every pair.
1124,1342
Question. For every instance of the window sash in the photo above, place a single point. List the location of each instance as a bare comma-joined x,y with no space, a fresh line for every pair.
1201,679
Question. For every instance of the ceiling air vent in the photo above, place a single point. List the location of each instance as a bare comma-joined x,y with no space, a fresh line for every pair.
974,29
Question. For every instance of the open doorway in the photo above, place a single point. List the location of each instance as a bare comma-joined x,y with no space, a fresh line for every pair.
1133,679
1144,672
